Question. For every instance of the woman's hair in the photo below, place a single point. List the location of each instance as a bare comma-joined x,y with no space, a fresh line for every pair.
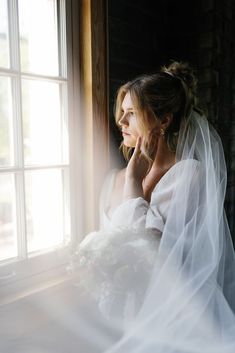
171,90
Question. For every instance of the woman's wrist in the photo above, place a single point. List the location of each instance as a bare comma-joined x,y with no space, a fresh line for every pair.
132,189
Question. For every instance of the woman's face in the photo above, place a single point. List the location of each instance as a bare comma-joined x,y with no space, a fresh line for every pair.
129,122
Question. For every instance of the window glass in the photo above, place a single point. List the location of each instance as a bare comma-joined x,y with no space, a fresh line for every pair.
38,36
44,209
4,38
6,131
42,126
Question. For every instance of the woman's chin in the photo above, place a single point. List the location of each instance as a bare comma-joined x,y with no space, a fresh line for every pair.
128,143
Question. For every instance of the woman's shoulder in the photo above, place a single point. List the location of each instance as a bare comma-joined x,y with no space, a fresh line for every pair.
112,190
114,180
115,174
118,183
120,175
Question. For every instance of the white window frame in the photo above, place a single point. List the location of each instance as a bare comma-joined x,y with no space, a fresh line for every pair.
20,274
87,47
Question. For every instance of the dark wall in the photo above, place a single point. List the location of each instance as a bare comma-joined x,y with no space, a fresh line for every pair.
145,34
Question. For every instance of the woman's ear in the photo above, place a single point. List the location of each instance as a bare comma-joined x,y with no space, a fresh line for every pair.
166,121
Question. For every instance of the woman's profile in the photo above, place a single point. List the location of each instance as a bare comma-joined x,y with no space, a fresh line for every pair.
161,268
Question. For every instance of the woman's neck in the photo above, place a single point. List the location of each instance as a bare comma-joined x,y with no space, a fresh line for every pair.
164,159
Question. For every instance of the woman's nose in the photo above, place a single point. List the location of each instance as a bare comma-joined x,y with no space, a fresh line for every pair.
123,120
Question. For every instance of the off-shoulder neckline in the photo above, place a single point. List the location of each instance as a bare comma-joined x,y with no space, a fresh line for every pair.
170,170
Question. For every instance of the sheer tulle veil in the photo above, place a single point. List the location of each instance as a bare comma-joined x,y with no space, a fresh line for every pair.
188,300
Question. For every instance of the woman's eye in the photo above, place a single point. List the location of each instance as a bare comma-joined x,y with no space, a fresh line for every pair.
128,113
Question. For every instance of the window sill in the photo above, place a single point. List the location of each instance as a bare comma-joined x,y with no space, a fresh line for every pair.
26,277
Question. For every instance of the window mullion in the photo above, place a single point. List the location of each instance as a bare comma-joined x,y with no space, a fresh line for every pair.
18,128
62,43
61,6
14,34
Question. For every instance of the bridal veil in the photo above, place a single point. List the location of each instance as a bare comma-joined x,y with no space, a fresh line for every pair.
182,278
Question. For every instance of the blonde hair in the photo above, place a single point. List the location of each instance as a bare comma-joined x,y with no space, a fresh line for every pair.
170,90
143,121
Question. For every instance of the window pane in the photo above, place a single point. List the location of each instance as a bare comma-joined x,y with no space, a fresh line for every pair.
4,39
42,125
6,131
38,36
8,239
44,209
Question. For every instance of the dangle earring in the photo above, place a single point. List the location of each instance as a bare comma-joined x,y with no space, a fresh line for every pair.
162,132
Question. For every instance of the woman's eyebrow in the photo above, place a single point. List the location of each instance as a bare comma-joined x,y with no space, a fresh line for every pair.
127,108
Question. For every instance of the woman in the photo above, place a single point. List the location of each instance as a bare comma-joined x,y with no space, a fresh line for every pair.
162,266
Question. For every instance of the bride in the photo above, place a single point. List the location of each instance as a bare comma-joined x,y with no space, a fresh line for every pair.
161,268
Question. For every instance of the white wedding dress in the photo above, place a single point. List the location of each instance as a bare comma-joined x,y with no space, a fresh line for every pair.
163,273
119,258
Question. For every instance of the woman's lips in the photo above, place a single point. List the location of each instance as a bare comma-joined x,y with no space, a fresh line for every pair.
125,133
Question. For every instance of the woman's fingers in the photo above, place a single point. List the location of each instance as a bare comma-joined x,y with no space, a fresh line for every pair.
138,165
137,145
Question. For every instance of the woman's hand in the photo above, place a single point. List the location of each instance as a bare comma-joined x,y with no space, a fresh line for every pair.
135,172
138,165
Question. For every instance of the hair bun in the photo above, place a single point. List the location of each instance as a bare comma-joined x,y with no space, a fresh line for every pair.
184,71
